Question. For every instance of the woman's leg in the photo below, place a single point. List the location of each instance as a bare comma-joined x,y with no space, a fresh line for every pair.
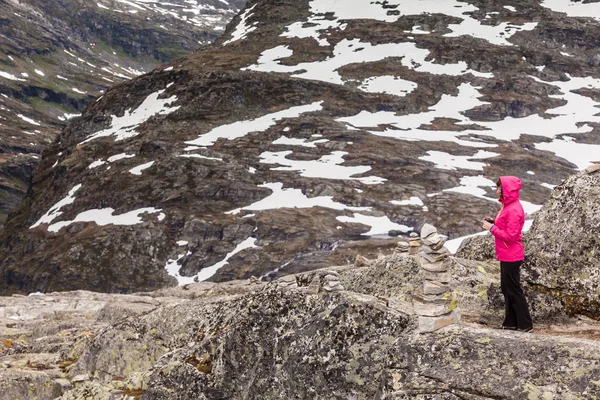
514,292
510,318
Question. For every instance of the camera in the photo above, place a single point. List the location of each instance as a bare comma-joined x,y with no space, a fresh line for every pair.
489,219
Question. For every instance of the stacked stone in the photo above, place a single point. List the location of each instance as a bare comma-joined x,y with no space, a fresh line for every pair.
434,304
319,280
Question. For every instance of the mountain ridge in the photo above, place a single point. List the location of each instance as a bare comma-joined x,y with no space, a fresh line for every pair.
280,152
56,57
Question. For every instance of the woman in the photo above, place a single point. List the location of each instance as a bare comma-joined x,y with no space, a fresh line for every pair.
506,230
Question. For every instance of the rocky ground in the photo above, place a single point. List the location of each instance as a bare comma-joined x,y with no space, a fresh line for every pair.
284,339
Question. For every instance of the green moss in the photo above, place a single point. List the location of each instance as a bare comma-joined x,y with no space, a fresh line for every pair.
572,304
171,53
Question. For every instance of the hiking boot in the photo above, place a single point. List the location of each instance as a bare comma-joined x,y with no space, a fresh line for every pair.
510,328
525,330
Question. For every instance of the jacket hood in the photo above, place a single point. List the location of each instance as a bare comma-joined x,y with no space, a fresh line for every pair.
511,185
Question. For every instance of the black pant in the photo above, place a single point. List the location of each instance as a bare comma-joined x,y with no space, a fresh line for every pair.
516,311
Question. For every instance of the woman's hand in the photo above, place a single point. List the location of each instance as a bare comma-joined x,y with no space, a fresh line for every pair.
486,225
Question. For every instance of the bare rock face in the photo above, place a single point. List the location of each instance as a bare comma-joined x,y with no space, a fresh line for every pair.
563,250
253,339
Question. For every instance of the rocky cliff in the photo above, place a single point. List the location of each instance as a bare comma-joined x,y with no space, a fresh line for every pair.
57,56
308,133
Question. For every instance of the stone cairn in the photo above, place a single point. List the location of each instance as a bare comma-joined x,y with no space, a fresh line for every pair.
320,280
434,305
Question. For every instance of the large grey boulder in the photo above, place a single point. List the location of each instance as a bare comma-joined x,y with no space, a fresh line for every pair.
563,253
478,248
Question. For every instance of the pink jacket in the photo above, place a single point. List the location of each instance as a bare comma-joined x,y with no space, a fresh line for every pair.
507,228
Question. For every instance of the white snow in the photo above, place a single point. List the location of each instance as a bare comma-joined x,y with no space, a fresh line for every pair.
284,140
352,52
242,128
293,198
473,185
548,186
10,76
26,119
125,127
120,156
327,167
54,211
104,216
570,118
96,164
388,84
319,25
173,267
67,116
200,156
447,161
40,73
580,154
409,125
495,34
242,29
206,273
182,242
138,170
379,225
572,9
413,201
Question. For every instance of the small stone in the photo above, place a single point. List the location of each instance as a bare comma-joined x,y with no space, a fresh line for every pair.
427,230
432,324
394,233
435,257
431,250
361,261
403,246
413,235
436,241
414,243
443,277
80,378
433,288
431,309
592,168
434,267
314,288
333,286
331,278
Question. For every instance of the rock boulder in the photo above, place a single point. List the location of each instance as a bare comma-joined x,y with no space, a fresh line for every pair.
563,253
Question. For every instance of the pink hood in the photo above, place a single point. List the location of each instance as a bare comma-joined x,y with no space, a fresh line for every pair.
511,186
508,227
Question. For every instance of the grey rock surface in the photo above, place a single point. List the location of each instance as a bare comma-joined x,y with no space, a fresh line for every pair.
253,339
562,254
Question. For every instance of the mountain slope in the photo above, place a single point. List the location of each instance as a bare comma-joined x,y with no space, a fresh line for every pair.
56,56
306,134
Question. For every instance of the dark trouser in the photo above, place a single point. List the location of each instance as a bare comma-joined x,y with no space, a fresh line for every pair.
516,311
